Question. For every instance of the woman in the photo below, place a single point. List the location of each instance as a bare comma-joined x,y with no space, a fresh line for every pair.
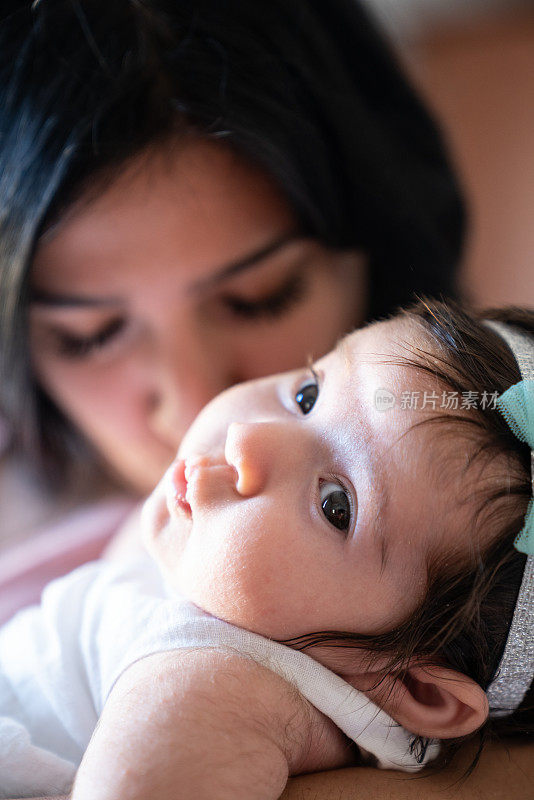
193,194
279,148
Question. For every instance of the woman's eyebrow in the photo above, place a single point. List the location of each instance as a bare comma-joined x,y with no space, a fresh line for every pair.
54,300
248,261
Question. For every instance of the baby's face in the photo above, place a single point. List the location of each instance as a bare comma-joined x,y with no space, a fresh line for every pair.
299,504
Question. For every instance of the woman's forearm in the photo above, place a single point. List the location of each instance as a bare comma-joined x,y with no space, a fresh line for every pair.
504,770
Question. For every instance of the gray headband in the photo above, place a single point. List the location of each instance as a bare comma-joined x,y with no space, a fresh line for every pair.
516,669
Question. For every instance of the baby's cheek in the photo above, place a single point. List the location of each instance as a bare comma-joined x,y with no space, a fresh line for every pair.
236,571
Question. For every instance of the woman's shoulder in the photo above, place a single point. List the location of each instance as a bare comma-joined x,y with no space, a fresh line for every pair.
43,536
26,505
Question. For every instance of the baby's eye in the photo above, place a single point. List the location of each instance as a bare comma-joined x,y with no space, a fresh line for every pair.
335,503
307,395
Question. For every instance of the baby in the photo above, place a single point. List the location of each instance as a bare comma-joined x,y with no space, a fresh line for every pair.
363,509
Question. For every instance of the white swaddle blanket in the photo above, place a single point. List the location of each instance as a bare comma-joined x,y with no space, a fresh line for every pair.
60,660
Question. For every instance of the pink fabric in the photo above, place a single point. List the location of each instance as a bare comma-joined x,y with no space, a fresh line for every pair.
27,567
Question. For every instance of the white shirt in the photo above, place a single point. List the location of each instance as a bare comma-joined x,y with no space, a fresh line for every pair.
60,660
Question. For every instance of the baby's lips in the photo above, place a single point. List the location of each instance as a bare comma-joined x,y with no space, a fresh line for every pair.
177,487
208,479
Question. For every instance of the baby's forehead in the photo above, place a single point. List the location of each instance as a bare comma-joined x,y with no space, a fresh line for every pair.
381,350
395,334
437,446
382,361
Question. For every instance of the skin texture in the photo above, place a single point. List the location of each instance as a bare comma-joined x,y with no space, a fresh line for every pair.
177,725
258,549
504,770
151,296
500,768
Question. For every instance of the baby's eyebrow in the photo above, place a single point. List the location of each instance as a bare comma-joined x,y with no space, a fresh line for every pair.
380,526
379,481
376,468
342,350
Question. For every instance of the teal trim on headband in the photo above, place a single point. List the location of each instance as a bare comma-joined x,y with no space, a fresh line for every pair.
517,407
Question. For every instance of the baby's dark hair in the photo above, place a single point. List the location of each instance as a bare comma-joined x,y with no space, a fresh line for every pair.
466,613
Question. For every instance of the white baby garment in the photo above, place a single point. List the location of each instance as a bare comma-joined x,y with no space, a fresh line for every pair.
60,660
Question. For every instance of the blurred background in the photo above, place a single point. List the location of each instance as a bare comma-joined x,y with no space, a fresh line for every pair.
473,60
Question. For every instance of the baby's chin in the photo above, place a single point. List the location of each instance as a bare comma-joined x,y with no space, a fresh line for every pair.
154,517
163,535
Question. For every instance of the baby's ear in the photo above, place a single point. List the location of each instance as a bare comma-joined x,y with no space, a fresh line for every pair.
433,701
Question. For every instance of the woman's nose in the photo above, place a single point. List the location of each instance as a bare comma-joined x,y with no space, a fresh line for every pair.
257,450
181,388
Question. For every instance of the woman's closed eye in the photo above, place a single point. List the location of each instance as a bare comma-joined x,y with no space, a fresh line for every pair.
276,303
74,346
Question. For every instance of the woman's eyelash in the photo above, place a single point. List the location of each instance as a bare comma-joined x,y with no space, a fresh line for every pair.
72,346
274,304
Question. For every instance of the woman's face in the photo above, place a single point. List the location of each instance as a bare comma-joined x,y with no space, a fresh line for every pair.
185,275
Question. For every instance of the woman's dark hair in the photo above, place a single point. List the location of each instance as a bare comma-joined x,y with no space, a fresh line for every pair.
464,618
306,89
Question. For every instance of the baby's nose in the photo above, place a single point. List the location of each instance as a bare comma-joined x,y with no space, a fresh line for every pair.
247,449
